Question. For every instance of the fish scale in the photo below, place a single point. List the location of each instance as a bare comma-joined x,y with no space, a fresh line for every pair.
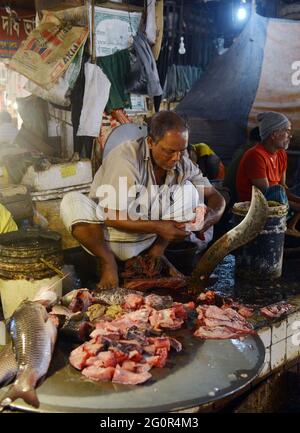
8,365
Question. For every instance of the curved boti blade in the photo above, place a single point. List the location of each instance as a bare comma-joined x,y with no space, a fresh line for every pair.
246,231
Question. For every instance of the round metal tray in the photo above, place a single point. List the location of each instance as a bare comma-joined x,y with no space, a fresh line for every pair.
203,372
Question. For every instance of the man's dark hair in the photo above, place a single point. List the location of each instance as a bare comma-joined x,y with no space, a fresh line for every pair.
5,117
165,121
254,134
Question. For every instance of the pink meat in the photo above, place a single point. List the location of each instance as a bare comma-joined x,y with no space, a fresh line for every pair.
137,318
246,312
136,367
99,374
162,354
215,333
92,347
197,224
135,356
208,297
106,329
126,377
81,301
129,366
276,310
78,357
221,323
133,302
230,324
160,342
103,359
165,319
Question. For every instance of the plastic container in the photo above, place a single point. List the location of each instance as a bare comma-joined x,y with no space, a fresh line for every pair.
261,259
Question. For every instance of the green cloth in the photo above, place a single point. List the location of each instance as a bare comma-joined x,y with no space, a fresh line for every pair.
116,67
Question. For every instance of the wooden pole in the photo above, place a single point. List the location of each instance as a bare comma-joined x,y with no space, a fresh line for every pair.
93,33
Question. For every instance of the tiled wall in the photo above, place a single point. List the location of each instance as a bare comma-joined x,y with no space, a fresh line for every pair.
282,343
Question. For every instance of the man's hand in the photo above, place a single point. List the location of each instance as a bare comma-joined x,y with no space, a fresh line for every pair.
171,231
210,219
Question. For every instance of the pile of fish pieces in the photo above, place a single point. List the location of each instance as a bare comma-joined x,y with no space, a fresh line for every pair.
221,323
125,349
271,311
276,310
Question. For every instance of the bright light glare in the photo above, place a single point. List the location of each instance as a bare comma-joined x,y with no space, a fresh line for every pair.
241,13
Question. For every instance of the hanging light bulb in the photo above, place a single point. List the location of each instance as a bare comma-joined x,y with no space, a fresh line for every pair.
182,49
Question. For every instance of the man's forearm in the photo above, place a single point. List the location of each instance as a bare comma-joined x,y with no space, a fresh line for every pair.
217,203
294,206
292,197
131,226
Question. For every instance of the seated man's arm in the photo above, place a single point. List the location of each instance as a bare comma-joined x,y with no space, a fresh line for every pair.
262,184
256,170
294,200
168,230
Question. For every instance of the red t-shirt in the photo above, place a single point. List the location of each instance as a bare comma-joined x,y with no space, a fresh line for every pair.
258,163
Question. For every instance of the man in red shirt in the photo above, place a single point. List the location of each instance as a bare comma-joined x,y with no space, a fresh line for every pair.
265,164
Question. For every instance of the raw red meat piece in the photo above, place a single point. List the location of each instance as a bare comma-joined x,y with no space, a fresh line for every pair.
133,302
125,377
78,357
92,347
246,312
216,333
98,373
165,319
103,359
276,310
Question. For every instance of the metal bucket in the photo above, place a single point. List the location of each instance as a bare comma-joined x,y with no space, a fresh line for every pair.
261,259
28,259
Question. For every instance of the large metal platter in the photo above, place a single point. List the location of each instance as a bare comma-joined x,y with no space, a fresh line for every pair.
203,372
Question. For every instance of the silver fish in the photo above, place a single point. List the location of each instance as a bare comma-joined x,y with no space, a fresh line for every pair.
8,365
33,336
240,235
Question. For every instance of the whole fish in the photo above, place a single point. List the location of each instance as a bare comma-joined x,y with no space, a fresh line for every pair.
33,335
106,297
8,365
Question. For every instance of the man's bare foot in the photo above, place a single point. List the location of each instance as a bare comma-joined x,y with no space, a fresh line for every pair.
109,277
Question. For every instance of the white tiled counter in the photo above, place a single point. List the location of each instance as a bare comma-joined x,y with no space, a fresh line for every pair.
281,338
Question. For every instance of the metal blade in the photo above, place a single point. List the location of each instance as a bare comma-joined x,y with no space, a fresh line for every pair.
240,235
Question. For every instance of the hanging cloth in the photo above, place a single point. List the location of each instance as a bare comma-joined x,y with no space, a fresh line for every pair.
116,67
96,93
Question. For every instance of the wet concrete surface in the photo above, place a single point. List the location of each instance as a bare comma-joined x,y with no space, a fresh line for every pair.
258,292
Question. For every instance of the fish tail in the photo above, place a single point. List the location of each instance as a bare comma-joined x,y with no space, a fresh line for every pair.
15,392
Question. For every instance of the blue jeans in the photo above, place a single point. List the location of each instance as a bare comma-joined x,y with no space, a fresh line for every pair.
278,193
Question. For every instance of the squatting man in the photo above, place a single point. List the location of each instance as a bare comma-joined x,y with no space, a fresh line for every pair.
164,188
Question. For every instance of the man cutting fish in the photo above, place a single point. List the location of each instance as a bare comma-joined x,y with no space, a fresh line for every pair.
147,190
